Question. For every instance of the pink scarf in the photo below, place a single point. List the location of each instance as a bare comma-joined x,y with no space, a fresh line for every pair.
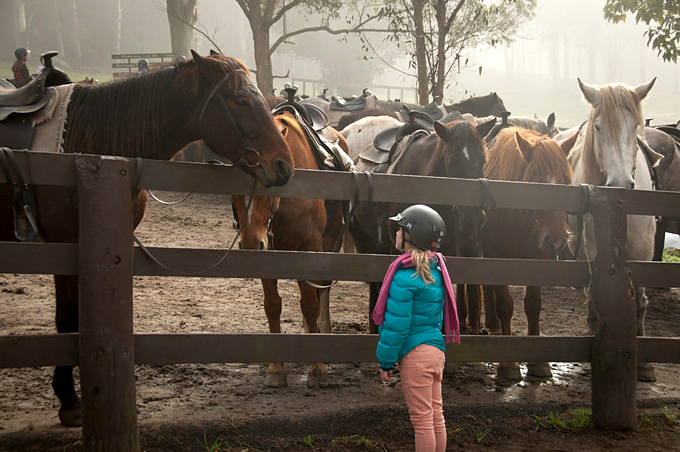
451,327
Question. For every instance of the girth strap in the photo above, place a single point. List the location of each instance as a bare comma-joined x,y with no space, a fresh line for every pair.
23,199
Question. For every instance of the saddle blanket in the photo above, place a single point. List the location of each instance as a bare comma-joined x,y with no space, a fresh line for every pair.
50,121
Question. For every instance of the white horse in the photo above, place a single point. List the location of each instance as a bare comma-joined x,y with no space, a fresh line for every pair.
360,134
607,153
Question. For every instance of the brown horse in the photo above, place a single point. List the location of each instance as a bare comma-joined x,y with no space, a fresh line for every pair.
453,150
152,116
489,105
526,156
294,225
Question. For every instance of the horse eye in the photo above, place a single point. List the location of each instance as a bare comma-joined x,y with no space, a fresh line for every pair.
597,127
240,102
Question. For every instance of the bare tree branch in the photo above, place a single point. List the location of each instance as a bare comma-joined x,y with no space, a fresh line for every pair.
282,11
194,27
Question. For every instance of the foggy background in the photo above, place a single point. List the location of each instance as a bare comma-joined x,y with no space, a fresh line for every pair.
535,74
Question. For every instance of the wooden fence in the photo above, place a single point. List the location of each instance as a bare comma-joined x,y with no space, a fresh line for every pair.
105,260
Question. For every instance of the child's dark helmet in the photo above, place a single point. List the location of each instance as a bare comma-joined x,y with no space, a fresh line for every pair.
142,64
424,225
21,52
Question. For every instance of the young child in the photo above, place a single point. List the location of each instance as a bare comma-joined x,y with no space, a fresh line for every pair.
415,299
19,68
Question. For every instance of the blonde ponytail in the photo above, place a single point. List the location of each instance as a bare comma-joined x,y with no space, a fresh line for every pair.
422,263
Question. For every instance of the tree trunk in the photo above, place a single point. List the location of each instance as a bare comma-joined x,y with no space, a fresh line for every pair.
50,29
182,18
11,21
442,32
263,60
68,21
421,56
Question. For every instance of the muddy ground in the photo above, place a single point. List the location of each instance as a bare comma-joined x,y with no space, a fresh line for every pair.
227,405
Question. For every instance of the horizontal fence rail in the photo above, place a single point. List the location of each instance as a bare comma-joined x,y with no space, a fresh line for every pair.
58,169
62,259
160,349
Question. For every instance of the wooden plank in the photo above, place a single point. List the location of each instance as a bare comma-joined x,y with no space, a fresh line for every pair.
57,169
352,267
39,258
124,56
655,274
614,360
39,350
658,350
106,341
62,349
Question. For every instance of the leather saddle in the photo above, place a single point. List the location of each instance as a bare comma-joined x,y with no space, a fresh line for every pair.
359,103
491,136
314,116
432,109
384,142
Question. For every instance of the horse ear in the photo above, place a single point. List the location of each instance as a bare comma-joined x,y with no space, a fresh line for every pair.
484,128
569,143
591,93
442,131
213,53
195,55
536,117
551,121
525,147
283,128
643,90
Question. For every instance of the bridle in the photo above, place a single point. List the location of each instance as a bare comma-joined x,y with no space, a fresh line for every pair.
244,160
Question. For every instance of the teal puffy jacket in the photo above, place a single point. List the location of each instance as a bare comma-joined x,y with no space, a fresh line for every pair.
413,315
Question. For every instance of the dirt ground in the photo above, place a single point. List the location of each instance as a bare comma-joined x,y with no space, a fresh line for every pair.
227,407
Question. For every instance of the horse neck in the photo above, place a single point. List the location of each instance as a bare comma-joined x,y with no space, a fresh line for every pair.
423,158
155,127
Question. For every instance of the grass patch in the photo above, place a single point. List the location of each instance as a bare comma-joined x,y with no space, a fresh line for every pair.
479,436
671,255
572,420
308,441
212,446
359,441
670,416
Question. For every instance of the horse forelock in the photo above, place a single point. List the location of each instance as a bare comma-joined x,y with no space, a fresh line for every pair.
614,99
547,164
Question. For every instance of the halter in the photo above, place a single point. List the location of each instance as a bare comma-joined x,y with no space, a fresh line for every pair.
244,161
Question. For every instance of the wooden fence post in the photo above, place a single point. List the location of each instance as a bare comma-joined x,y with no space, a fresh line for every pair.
614,379
107,370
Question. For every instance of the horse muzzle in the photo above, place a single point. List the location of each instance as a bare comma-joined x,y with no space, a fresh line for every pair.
274,175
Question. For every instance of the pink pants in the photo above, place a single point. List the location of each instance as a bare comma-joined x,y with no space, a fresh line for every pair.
421,380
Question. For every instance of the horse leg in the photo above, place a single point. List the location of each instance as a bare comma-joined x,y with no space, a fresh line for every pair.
325,325
309,302
659,238
373,292
592,325
491,316
461,305
532,309
507,372
66,289
474,300
645,371
276,373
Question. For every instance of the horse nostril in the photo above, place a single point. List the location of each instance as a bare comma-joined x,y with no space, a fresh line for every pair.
261,245
630,184
282,168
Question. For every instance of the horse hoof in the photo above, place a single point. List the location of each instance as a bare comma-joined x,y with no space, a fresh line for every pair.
645,372
539,370
508,373
72,417
317,378
275,380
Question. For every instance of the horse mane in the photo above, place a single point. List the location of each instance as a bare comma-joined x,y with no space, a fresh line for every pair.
613,98
139,106
547,163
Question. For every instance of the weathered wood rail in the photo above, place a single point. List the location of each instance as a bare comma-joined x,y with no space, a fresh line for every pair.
105,260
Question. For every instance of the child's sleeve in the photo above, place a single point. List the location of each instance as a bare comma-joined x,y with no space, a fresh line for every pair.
397,318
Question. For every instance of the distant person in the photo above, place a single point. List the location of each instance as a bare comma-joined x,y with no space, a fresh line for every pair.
180,58
41,66
21,74
143,66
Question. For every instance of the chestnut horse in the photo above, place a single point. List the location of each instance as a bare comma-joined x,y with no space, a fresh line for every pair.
152,116
525,156
292,224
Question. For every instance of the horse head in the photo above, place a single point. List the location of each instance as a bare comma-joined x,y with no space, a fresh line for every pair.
527,156
254,219
610,141
234,111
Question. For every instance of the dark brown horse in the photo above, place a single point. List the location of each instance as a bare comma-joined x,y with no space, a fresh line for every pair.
526,156
454,150
152,116
294,225
489,105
